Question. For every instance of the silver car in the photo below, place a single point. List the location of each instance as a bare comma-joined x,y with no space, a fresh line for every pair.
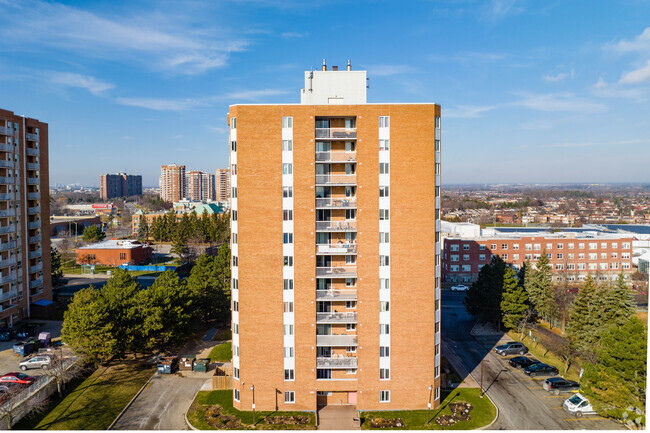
38,361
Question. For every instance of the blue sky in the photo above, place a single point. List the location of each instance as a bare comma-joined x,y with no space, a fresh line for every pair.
531,91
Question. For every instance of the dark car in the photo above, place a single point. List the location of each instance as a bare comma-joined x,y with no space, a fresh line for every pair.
541,370
7,334
522,362
12,379
511,348
26,331
556,385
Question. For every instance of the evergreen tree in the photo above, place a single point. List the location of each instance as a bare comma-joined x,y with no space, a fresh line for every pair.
205,226
483,300
583,324
93,234
170,225
209,282
215,224
155,230
521,275
514,302
57,269
143,230
183,229
546,295
617,303
120,296
179,248
195,229
531,284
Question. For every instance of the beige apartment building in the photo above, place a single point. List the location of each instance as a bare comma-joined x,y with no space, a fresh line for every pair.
222,190
25,275
199,186
172,182
335,250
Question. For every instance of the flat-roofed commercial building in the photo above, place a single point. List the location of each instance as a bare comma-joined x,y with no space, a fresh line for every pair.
335,255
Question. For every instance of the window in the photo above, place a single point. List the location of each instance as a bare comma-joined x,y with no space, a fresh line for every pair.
437,166
465,257
528,256
504,246
323,373
384,237
593,256
350,282
288,329
549,255
603,255
593,266
571,245
233,169
235,328
504,256
289,397
235,284
287,215
581,246
288,307
235,261
234,192
235,394
384,261
467,268
593,245
384,306
614,244
559,255
515,257
528,247
384,214
233,238
287,145
384,283
465,247
515,246
537,246
384,351
287,122
437,120
436,393
384,144
625,255
559,266
481,247
493,246
351,327
384,121
288,352
287,238
384,329
384,396
287,168
437,145
233,123
436,372
625,245
603,266
626,266
235,372
614,255
384,373
549,246
383,191
350,304
581,255
571,266
287,191
453,268
481,256
454,257
122,256
235,306
614,266
603,245
582,266
453,247
288,374
560,246
288,284
233,214
288,260
570,256
351,349
383,168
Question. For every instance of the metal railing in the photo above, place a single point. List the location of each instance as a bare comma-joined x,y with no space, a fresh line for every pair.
336,133
6,180
34,195
33,180
32,137
34,224
7,212
7,246
337,362
336,179
336,226
34,239
8,278
5,296
344,203
35,253
7,229
336,156
33,166
6,196
336,317
7,262
336,295
337,272
34,209
6,147
336,249
6,164
36,268
4,130
33,151
35,283
336,340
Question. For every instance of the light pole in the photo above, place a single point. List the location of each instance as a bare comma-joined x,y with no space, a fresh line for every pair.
482,392
253,389
429,405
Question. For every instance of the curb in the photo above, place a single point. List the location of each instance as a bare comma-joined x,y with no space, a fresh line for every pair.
110,427
187,421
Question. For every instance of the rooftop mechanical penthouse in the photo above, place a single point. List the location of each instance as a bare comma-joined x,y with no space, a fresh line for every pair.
335,250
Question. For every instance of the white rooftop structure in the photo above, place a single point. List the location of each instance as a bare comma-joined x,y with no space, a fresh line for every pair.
334,87
464,230
113,244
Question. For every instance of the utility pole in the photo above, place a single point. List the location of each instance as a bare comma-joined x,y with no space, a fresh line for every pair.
253,389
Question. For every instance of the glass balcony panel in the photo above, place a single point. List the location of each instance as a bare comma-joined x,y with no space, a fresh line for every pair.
335,249
336,340
336,295
337,272
336,133
336,179
337,362
336,226
337,203
336,156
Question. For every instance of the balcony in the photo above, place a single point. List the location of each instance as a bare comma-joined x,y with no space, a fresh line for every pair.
31,137
7,246
33,151
335,156
336,295
4,130
7,212
34,239
323,318
5,296
339,362
8,278
337,272
35,283
34,210
6,180
35,253
7,196
33,166
11,228
36,268
336,179
34,224
6,164
34,195
336,340
336,133
33,180
336,249
337,203
7,262
6,147
336,226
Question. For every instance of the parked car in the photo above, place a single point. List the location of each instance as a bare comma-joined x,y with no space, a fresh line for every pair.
522,362
556,385
38,361
541,370
7,334
511,348
26,331
578,405
459,288
16,379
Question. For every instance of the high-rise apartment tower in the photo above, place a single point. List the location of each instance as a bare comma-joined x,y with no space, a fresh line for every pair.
25,275
119,185
223,184
172,182
335,250
199,186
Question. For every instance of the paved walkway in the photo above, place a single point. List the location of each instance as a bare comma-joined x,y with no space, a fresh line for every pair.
341,417
468,380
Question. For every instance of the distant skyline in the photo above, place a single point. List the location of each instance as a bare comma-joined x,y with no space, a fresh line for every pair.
531,92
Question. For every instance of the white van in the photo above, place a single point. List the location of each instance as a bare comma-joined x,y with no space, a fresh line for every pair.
578,405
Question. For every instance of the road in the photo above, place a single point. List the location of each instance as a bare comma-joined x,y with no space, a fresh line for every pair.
522,403
77,283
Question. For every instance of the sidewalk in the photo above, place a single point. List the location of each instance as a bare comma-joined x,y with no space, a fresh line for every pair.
468,380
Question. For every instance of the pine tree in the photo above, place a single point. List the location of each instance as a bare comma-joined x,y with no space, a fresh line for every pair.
531,284
483,300
143,230
195,229
170,225
583,326
514,302
183,229
617,303
546,296
205,226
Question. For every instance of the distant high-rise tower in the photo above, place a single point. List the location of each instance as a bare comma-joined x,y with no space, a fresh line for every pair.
335,250
223,184
119,185
172,182
25,274
199,186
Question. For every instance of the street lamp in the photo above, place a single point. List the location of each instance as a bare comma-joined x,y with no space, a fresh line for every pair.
253,389
429,405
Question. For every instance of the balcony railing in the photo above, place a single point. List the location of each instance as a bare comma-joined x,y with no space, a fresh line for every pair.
6,164
337,203
6,147
8,278
336,295
336,340
7,229
33,151
335,156
4,130
337,362
336,179
33,180
36,268
32,137
337,272
336,317
6,196
6,180
336,133
33,166
35,283
7,212
34,210
34,195
35,253
7,262
5,296
34,239
34,224
336,226
335,249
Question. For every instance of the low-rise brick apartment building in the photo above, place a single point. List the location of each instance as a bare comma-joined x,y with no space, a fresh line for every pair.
114,253
572,255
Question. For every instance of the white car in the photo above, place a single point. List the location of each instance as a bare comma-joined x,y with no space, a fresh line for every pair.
459,288
578,405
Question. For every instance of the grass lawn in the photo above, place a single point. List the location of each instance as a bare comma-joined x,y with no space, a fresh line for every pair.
205,399
95,403
548,357
221,353
224,334
482,414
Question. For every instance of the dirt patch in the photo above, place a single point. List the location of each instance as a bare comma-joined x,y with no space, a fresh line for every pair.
386,422
459,412
287,420
215,417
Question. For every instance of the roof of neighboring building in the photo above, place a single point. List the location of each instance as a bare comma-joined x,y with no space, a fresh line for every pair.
113,244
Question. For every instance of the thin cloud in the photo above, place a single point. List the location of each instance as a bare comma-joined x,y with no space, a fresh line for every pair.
564,102
558,77
289,35
159,104
618,90
637,76
496,10
639,44
467,111
69,79
389,70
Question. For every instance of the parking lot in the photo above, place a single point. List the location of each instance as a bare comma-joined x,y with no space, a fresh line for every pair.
9,362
